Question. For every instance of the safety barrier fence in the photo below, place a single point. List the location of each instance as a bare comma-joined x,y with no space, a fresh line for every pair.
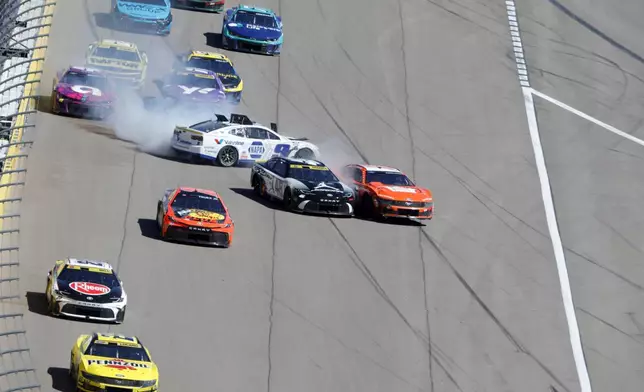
24,30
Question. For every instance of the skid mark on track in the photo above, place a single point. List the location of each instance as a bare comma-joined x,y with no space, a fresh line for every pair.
330,115
595,30
609,325
366,272
345,345
271,306
509,336
269,348
413,171
425,303
127,211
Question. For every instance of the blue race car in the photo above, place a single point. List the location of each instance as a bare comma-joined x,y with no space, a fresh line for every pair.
252,29
143,15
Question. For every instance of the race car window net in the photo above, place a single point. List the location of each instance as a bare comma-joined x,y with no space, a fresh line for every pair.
215,65
388,178
71,274
311,173
256,133
254,18
113,350
76,79
116,53
197,201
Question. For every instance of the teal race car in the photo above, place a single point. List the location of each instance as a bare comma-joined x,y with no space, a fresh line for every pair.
154,16
252,29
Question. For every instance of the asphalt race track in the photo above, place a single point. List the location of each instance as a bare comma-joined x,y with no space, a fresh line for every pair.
469,302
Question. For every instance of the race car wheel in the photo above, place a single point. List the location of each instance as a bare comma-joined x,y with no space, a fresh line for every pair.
224,41
257,185
160,220
228,156
288,199
54,104
305,153
72,373
261,188
366,207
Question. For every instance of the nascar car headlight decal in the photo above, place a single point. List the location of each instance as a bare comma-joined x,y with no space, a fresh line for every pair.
149,383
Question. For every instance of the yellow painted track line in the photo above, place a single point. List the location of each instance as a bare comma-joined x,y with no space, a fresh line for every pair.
32,85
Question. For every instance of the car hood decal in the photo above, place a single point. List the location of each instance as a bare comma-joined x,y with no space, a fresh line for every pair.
229,80
200,215
89,291
120,368
317,186
109,62
83,93
260,33
192,93
143,10
397,192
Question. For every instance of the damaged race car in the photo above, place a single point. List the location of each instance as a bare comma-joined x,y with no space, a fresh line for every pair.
237,141
386,192
83,92
302,185
196,216
85,289
222,66
191,90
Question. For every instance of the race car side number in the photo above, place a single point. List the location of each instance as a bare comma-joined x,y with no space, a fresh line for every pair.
87,90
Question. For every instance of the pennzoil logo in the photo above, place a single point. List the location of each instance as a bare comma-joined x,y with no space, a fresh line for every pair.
118,364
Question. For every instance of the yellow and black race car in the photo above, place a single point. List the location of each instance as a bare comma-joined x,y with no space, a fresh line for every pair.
108,362
222,66
121,61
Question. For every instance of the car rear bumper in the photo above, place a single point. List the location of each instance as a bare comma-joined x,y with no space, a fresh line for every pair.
142,25
313,207
198,235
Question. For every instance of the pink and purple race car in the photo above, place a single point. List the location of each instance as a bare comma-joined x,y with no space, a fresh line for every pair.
83,92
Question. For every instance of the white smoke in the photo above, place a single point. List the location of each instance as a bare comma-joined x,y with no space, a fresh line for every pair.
335,153
150,124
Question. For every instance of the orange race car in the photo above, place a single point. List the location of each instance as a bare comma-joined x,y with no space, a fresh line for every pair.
383,191
195,215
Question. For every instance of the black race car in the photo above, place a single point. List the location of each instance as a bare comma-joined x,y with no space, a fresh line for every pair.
302,185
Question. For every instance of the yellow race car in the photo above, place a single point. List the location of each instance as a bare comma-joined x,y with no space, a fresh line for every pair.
121,61
222,66
108,362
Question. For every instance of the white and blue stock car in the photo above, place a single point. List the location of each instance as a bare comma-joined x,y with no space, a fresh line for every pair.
237,141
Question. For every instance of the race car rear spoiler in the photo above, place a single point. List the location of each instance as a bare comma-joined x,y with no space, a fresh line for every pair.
235,118
241,119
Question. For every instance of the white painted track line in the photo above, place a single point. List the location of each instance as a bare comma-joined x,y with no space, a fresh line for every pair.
555,237
587,117
546,193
